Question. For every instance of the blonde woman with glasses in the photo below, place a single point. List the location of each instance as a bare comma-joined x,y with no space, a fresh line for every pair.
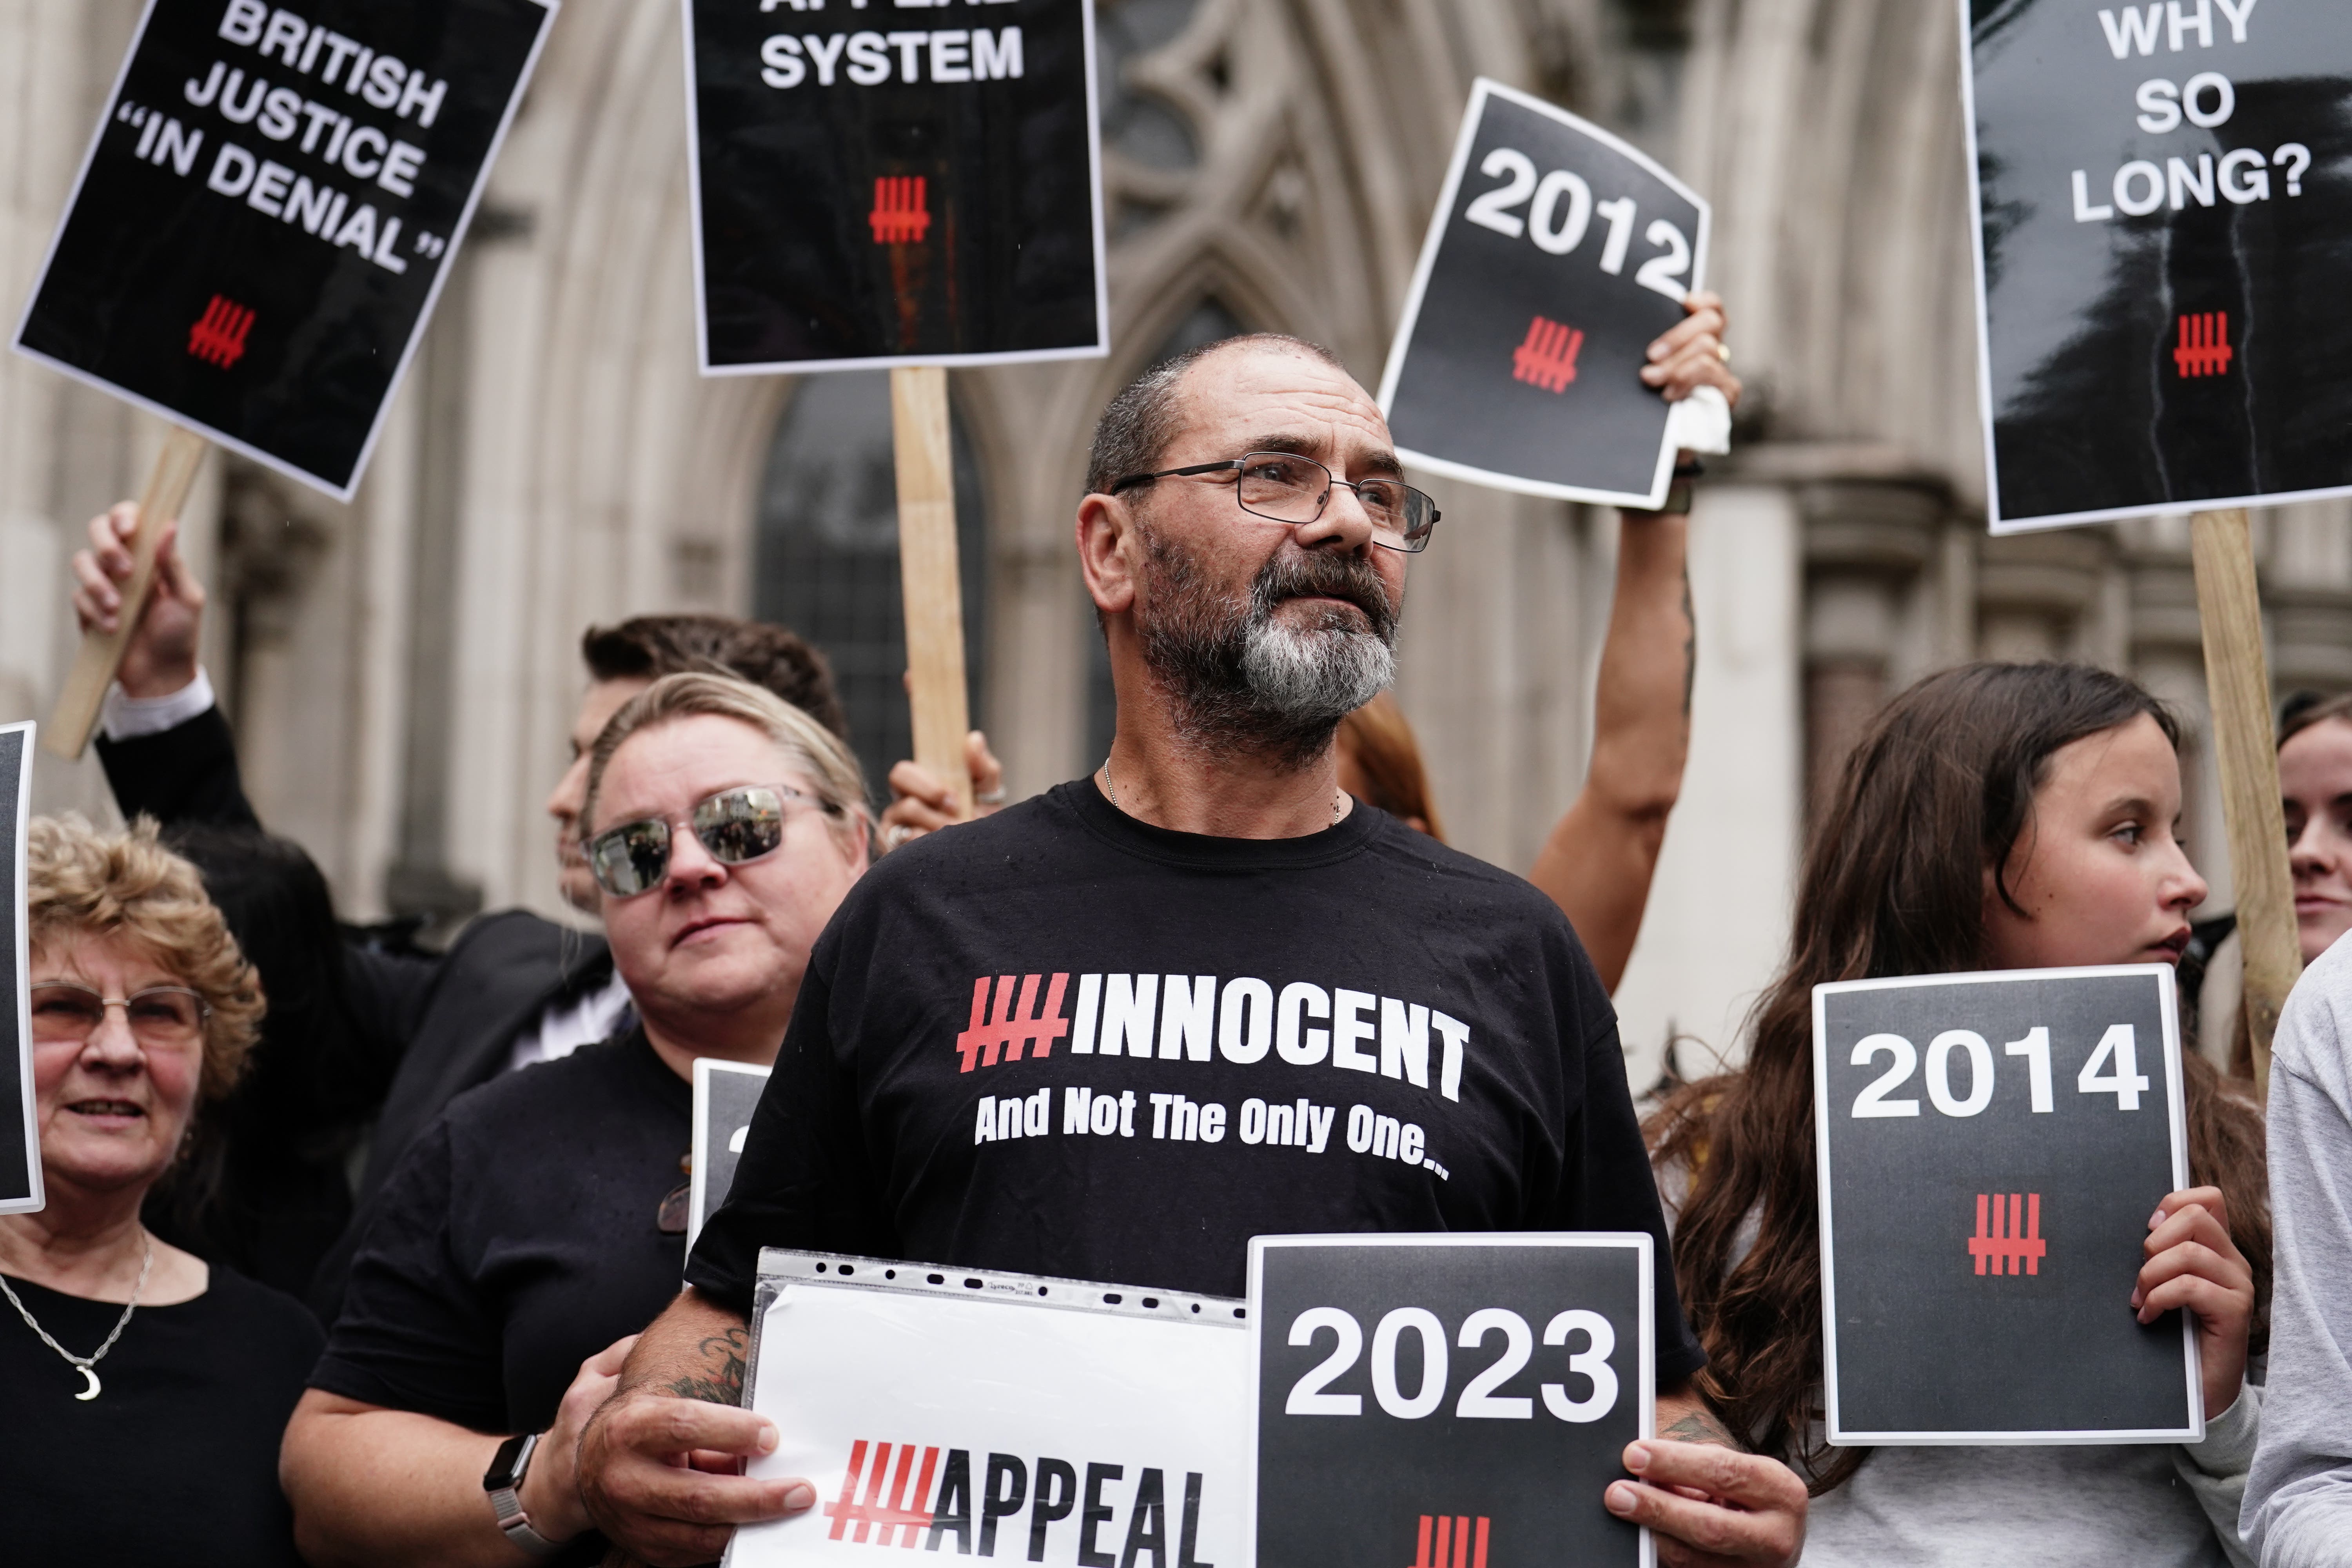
142,1393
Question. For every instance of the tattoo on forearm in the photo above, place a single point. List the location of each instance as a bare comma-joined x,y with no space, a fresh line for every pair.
1699,1426
720,1380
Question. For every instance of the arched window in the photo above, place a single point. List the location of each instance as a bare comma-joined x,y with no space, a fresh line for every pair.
1204,323
827,553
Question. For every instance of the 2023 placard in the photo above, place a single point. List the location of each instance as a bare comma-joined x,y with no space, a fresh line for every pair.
1447,1400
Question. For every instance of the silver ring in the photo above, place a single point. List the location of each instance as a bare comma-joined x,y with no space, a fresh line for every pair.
989,796
897,833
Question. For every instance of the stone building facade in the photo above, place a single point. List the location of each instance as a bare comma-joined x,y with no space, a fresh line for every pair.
401,671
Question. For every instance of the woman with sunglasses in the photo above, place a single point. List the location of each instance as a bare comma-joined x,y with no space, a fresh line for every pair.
505,1266
143,1391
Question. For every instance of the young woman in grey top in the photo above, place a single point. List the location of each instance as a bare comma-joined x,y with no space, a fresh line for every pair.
1996,817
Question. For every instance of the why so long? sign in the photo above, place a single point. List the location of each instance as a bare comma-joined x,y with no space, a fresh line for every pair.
2164,227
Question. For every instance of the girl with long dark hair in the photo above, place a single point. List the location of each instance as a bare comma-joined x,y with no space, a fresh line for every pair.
1996,817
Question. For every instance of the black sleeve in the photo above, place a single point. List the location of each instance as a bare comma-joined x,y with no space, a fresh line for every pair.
1606,1183
804,1180
415,1332
388,993
185,773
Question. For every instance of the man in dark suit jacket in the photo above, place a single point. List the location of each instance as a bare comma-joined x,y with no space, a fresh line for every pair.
514,988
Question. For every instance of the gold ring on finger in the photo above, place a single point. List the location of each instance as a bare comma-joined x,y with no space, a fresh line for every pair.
1722,353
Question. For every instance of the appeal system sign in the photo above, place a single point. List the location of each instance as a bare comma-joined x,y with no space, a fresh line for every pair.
2165,241
268,209
891,185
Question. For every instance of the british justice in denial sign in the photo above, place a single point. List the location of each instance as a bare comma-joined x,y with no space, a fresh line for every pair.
1991,1147
1557,254
894,187
266,212
2164,225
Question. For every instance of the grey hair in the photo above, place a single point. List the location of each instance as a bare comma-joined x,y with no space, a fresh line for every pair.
815,750
1144,419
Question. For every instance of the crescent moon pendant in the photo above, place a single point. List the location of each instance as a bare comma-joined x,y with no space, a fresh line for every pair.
89,1375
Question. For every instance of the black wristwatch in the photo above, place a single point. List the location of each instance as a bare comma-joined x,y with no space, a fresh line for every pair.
503,1480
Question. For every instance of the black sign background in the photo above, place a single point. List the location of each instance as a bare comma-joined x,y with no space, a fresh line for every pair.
1452,401
1340,1491
20,1164
792,274
143,250
2090,414
725,1094
1923,1344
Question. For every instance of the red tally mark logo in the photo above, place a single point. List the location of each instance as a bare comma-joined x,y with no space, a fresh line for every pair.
1453,1533
1015,1023
902,1513
1547,357
2000,1240
218,336
901,214
2204,345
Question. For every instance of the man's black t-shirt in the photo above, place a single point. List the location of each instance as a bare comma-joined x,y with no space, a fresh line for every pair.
517,1236
177,1459
1065,1042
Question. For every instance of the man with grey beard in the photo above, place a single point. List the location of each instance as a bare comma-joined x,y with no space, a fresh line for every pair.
1114,1032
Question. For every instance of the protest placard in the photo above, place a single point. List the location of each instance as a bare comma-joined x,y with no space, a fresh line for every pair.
1410,1410
2164,238
1991,1147
1557,254
725,1095
1004,1415
875,189
20,1132
2164,230
267,211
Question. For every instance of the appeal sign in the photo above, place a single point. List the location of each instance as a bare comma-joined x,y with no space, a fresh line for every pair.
904,187
999,1415
1443,1401
1989,1148
1558,254
2164,239
268,209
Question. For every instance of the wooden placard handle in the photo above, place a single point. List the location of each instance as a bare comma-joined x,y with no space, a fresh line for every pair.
2238,689
929,583
100,654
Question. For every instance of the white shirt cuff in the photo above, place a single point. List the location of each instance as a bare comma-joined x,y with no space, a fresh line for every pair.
126,716
1701,423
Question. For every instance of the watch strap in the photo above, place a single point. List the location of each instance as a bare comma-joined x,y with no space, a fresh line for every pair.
507,1471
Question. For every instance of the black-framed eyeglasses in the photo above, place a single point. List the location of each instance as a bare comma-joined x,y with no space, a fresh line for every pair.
1283,487
735,826
66,1012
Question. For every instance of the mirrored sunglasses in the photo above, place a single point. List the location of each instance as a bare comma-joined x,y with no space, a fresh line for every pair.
734,825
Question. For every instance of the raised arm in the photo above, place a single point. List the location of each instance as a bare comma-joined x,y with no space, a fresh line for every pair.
176,766
1598,861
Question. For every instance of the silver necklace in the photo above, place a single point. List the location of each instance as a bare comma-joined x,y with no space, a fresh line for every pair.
88,1364
1110,788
